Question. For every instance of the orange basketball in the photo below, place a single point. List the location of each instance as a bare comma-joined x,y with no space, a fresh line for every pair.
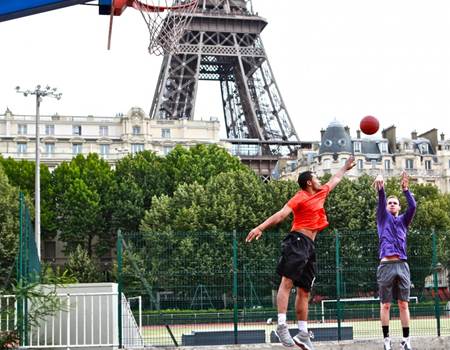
369,125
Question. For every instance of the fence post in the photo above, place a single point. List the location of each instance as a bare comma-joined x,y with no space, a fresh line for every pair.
338,285
436,286
119,286
235,288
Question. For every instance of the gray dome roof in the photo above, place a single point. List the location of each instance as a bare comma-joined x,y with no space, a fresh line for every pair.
335,139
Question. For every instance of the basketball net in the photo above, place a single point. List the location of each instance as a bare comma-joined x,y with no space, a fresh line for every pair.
166,21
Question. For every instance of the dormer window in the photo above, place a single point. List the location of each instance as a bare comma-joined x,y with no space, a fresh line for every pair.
383,147
424,149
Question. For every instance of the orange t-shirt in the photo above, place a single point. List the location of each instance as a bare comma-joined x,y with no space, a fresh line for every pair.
308,209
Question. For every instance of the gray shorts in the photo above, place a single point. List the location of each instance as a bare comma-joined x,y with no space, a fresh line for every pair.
394,281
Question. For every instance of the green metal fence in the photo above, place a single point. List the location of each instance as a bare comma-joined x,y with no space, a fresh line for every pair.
213,287
27,265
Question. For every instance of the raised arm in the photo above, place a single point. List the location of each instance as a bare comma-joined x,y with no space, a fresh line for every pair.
336,178
379,186
276,218
411,210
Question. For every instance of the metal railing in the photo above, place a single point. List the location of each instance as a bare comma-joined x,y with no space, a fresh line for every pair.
84,320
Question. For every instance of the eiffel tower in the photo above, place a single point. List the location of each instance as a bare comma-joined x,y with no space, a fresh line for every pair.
222,43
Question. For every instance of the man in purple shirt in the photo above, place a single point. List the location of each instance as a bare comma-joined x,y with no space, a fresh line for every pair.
393,275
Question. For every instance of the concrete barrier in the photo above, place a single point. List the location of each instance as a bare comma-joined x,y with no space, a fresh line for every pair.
422,343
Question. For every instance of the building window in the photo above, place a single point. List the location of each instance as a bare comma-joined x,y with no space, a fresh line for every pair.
374,163
167,149
50,250
409,164
447,147
383,147
49,148
103,129
21,147
357,147
360,164
22,129
137,147
449,164
136,130
104,150
50,129
77,148
76,130
428,165
326,164
165,133
424,148
387,164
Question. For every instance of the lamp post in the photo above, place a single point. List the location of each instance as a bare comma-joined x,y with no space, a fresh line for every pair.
39,93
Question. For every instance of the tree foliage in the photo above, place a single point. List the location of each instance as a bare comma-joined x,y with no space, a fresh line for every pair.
9,227
82,267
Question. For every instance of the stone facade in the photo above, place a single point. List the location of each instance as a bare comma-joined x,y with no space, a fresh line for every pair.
426,157
63,137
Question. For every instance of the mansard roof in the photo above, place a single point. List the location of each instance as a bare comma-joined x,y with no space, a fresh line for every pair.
336,139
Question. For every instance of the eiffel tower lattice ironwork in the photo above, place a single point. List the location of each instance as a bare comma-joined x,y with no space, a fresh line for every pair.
223,43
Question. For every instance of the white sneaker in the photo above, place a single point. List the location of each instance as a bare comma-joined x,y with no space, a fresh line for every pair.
387,343
405,344
303,340
282,332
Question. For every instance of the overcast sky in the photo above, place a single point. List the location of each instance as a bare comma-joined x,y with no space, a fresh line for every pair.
332,59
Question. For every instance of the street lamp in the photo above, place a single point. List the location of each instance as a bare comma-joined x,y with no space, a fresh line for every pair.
39,93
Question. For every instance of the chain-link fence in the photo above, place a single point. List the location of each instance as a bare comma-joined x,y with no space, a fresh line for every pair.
213,288
28,268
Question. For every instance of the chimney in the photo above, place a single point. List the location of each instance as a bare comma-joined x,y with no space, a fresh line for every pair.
414,135
442,137
389,133
322,132
432,136
358,134
347,130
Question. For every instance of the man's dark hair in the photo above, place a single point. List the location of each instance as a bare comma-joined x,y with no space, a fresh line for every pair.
303,178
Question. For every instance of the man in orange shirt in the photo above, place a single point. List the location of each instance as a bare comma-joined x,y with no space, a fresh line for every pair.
297,262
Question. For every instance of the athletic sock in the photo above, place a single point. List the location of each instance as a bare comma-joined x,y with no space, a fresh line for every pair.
303,326
385,331
405,332
281,318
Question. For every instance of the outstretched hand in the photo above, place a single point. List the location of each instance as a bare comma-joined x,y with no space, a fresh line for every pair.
404,181
256,233
350,163
378,184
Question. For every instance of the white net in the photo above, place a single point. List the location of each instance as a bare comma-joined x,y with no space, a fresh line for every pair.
166,22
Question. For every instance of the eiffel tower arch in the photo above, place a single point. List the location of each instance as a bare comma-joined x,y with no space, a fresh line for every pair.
222,43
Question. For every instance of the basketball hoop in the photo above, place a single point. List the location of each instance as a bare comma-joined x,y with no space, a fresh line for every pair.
166,20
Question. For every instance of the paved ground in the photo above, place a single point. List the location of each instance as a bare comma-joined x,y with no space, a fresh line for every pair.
420,343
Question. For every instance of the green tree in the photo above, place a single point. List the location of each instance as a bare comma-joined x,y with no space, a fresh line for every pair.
138,177
83,203
189,235
198,164
9,227
81,267
21,174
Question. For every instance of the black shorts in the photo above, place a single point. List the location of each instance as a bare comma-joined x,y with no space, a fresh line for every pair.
298,260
